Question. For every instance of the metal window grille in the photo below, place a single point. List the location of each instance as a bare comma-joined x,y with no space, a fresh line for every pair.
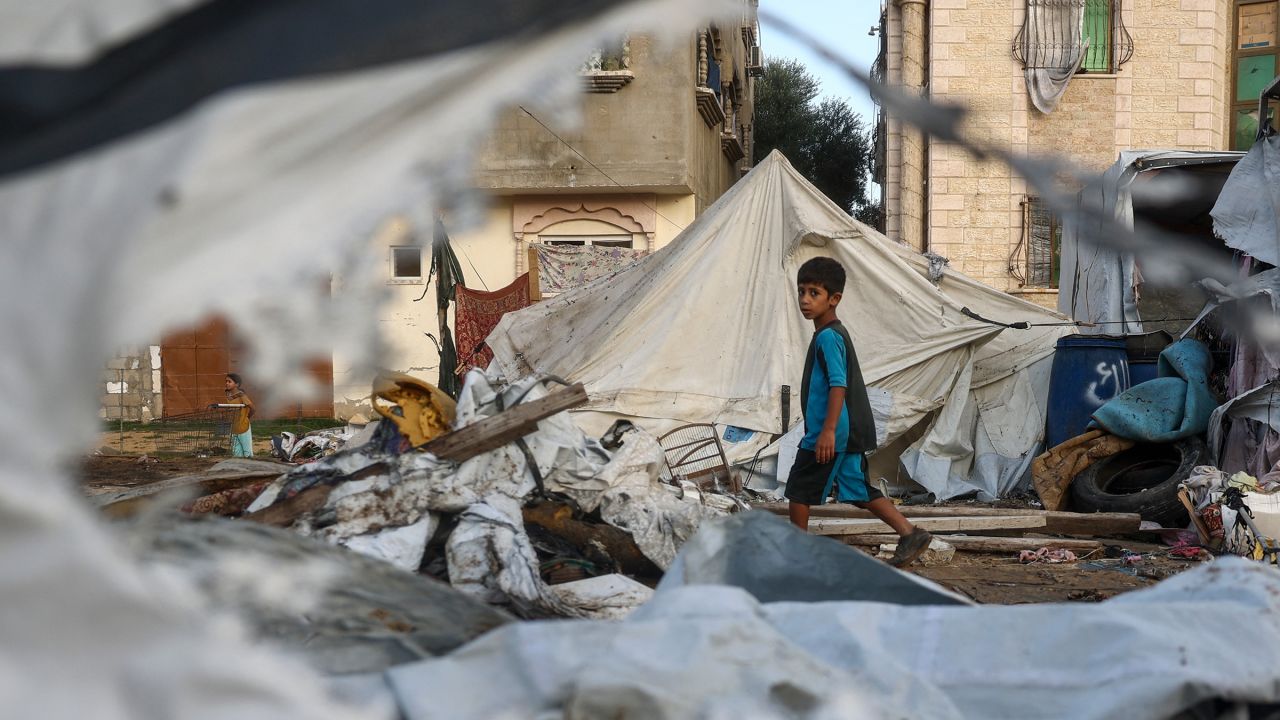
1043,233
1046,41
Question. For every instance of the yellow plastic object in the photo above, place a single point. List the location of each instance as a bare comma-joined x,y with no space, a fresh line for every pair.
426,412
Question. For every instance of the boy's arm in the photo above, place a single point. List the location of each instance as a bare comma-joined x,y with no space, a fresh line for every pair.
831,345
245,399
826,447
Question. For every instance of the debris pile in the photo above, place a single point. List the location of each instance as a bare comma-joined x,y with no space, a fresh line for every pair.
515,498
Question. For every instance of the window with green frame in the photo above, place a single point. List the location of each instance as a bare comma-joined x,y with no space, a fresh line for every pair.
1097,32
1253,66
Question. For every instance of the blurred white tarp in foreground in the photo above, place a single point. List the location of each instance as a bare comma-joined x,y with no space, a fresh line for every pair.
738,630
161,160
709,333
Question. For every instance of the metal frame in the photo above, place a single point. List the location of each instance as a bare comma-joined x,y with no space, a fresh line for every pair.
683,447
1119,43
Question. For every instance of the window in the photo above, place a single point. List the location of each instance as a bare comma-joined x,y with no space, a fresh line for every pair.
1097,32
1253,67
406,265
616,241
1054,33
1042,235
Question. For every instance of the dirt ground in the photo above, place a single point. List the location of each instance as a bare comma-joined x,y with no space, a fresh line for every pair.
1000,580
101,473
985,578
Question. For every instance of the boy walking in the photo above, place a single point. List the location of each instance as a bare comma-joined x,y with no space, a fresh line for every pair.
838,426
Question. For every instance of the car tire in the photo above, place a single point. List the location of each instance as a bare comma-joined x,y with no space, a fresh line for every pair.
1143,479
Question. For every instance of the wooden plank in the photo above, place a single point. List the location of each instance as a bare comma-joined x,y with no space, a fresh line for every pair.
844,526
177,490
1092,524
283,513
535,277
982,544
1056,522
507,426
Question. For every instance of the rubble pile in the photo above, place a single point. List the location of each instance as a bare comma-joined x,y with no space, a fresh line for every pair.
500,521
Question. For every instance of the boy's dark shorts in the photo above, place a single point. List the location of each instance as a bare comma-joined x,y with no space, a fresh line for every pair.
810,482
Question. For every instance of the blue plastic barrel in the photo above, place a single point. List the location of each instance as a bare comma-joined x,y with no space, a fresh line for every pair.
1144,354
1088,370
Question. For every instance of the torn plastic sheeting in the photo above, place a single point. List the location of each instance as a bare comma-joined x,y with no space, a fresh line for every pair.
286,177
1247,213
607,597
491,559
766,556
343,613
691,652
717,652
401,546
489,554
1265,283
1261,404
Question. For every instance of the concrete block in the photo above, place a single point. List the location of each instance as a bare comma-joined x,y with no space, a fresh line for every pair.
947,202
950,68
1194,139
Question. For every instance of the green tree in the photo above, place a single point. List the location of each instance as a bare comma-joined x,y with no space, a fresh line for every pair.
826,141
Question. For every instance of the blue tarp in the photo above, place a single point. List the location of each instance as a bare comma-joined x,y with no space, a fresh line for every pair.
1175,405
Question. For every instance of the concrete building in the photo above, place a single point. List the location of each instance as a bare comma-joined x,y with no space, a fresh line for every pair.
1156,74
666,130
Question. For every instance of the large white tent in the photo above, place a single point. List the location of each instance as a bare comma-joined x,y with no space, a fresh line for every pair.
707,330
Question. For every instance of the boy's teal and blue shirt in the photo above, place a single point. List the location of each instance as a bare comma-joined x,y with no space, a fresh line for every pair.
832,362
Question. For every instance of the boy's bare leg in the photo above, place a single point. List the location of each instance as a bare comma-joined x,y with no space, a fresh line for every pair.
884,509
799,513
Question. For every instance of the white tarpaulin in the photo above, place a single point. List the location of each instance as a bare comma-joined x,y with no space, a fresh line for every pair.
1099,282
707,330
1247,214
183,158
715,648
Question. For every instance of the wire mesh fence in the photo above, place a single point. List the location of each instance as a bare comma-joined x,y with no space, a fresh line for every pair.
204,432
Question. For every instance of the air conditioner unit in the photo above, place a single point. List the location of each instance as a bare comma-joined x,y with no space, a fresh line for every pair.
755,64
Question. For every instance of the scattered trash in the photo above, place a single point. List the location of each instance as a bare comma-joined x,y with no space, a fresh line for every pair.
1047,555
512,498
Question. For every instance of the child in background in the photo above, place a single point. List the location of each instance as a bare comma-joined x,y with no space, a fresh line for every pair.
241,431
839,428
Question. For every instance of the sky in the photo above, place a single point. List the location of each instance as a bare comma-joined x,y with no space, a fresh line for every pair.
840,24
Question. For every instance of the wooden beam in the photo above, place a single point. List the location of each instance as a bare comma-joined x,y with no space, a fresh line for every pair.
843,526
1056,522
283,513
535,277
507,426
981,544
177,490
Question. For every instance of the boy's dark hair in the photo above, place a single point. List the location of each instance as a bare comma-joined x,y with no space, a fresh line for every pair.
235,377
823,271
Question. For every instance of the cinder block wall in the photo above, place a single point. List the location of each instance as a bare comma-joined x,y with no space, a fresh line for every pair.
130,385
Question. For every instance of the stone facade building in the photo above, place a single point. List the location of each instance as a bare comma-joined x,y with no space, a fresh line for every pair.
1155,74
